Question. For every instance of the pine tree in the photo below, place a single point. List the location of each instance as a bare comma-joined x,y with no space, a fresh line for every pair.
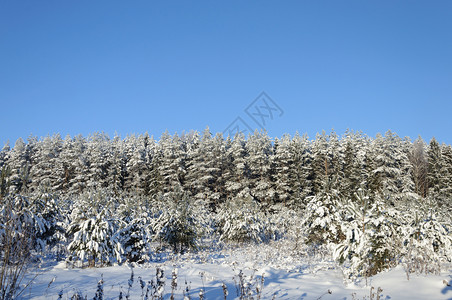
260,163
372,237
19,164
137,164
173,159
238,173
4,171
322,217
320,162
352,165
283,160
98,156
181,222
446,152
117,171
4,154
45,159
204,170
391,175
93,229
77,168
302,181
437,174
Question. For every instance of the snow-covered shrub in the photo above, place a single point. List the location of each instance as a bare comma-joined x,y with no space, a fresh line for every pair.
180,221
284,222
427,241
242,220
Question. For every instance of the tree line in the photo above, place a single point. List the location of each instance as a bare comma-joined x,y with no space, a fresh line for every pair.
282,170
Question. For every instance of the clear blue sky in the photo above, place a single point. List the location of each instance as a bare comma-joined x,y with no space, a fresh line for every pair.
73,67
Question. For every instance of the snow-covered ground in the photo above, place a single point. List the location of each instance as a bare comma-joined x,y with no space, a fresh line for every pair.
285,277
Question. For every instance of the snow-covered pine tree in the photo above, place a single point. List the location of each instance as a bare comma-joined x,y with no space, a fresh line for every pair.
353,158
391,176
117,172
237,174
203,172
64,166
222,164
285,175
335,156
437,174
94,240
92,230
260,162
372,241
4,154
47,211
173,159
181,222
137,163
155,180
98,157
323,218
302,183
4,171
19,164
320,162
135,232
45,160
77,164
446,152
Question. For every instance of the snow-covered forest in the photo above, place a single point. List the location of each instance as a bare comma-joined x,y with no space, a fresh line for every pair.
369,203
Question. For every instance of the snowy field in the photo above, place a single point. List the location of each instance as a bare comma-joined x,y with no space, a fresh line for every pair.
284,277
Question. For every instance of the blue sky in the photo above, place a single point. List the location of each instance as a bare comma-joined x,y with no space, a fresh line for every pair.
77,67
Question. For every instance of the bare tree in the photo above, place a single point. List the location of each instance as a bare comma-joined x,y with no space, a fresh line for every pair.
419,163
16,238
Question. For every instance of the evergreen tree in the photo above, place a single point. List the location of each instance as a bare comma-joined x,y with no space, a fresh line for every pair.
19,164
4,154
352,165
117,171
437,174
77,167
284,175
204,169
173,158
4,171
238,174
391,176
320,162
98,157
446,152
302,171
45,159
137,164
260,163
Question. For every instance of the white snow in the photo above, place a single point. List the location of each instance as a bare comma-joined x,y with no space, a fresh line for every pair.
285,277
